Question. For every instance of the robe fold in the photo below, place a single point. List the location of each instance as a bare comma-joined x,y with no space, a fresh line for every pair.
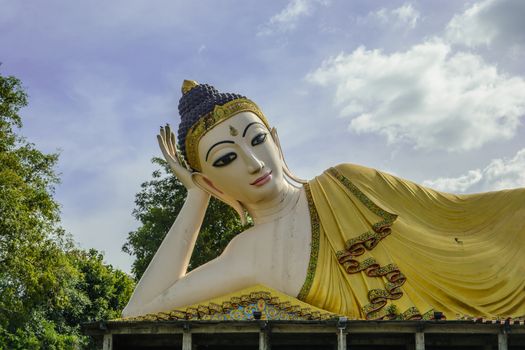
387,248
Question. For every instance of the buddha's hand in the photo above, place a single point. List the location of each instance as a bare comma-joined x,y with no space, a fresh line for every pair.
168,146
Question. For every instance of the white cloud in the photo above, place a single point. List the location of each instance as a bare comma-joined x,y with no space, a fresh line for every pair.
487,22
499,174
426,96
456,184
403,16
287,19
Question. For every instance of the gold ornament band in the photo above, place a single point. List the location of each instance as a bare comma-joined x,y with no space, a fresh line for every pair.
207,122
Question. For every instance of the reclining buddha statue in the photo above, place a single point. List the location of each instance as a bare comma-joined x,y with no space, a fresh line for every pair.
353,241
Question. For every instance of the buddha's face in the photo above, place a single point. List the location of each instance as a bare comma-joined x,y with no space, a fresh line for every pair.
240,159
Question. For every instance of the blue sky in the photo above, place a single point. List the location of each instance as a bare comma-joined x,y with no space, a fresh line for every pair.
432,91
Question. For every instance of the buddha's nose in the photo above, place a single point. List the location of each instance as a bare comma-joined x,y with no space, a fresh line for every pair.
254,164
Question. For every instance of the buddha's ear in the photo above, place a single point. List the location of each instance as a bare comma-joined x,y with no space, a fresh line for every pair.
207,186
286,170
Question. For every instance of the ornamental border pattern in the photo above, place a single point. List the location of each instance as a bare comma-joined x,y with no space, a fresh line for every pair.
202,311
378,308
388,218
208,121
314,250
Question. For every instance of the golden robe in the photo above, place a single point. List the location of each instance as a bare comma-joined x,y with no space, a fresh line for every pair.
386,248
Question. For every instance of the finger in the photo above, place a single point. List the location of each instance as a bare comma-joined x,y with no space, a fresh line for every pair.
162,147
172,159
162,133
167,135
178,152
171,141
167,130
163,137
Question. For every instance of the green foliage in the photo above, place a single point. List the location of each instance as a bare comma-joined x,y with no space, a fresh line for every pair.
158,204
102,290
47,286
12,99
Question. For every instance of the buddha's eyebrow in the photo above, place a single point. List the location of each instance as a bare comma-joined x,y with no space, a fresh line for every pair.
247,126
218,143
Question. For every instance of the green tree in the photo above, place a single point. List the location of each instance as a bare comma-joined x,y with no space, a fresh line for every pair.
47,286
102,290
28,220
158,204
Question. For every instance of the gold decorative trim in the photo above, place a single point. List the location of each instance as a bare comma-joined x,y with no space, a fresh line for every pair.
231,309
413,314
491,319
378,297
366,241
391,312
354,247
370,266
314,250
381,312
429,315
353,266
388,218
208,121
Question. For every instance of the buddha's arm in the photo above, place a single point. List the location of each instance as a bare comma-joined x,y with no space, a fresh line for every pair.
171,259
231,271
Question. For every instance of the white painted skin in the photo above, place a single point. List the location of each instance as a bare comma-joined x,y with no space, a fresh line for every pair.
274,252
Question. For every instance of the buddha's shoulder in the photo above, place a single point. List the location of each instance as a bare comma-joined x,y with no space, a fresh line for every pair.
250,237
353,171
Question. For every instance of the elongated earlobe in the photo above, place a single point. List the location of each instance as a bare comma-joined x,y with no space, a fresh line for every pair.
286,170
207,186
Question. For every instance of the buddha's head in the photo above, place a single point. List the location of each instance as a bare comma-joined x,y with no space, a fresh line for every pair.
230,147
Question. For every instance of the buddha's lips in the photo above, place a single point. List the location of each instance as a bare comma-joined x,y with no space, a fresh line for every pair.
263,179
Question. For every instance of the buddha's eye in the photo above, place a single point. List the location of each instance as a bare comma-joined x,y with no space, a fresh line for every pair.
225,160
257,140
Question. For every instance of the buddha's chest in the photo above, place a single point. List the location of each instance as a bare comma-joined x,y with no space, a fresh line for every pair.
286,250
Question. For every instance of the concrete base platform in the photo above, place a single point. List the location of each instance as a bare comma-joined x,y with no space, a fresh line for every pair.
335,334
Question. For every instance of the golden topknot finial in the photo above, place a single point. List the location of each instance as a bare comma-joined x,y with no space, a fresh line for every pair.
187,85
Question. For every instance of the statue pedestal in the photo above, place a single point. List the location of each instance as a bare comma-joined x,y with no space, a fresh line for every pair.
262,318
307,334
